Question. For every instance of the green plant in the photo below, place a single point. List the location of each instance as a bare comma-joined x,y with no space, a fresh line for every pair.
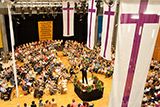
89,88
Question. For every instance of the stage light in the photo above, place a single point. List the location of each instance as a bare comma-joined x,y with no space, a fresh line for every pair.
18,23
24,18
59,9
78,10
81,17
22,11
38,11
43,9
54,15
87,6
13,8
30,11
44,16
54,9
48,11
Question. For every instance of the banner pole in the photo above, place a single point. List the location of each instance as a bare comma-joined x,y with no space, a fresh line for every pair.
12,45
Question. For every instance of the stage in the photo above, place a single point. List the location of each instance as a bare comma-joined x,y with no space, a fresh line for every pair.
88,96
90,91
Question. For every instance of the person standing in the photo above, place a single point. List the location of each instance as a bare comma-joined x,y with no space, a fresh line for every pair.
84,74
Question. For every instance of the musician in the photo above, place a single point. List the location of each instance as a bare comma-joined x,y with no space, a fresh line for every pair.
3,89
38,92
84,74
24,86
52,87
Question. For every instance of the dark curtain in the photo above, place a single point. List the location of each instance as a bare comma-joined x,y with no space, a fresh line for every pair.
26,30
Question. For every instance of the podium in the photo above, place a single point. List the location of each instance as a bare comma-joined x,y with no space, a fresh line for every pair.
88,96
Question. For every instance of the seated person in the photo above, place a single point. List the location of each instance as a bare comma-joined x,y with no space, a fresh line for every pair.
24,86
3,89
52,88
85,104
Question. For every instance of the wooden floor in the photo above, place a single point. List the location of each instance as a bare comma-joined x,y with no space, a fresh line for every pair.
65,98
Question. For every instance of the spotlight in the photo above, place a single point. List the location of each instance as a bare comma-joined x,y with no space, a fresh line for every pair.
48,11
87,6
44,16
38,11
54,9
59,9
22,11
43,9
18,23
81,17
54,15
78,10
24,18
30,11
13,8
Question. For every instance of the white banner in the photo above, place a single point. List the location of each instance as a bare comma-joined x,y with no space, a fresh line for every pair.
68,18
91,23
107,30
137,33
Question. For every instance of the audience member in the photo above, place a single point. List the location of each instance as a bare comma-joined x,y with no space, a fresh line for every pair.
40,103
53,103
33,104
47,104
74,103
25,105
152,87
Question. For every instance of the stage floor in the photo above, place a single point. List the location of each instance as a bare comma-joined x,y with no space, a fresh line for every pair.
63,99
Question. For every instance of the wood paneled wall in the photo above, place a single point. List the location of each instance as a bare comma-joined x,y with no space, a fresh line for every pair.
156,54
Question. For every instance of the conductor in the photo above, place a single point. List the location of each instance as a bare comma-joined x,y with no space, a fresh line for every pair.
84,74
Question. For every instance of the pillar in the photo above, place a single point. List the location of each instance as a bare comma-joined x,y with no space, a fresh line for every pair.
3,31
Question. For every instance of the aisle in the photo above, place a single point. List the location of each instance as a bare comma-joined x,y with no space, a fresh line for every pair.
63,99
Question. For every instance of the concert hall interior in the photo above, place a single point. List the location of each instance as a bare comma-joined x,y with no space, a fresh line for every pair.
79,53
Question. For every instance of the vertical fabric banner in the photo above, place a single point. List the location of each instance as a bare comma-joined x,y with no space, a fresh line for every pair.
68,18
107,32
91,23
100,20
1,43
45,29
137,33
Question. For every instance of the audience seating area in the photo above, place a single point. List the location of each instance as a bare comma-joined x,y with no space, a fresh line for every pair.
52,103
39,70
151,95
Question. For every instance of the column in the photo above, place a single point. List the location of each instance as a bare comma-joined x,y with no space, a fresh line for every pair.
3,31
